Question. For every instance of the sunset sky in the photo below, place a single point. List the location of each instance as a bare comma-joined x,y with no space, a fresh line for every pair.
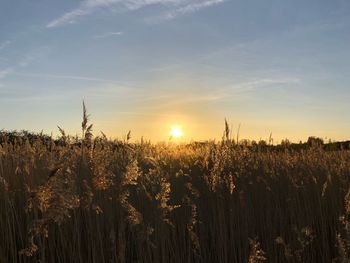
147,65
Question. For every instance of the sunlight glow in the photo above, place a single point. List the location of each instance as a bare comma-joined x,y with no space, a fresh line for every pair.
176,132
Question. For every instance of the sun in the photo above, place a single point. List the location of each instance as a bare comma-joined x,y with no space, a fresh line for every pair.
176,132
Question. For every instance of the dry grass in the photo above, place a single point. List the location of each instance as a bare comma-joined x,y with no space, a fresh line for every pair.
96,200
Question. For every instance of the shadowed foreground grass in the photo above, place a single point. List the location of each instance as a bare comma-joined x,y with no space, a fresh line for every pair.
97,200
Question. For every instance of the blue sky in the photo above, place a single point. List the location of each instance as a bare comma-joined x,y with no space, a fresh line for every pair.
145,65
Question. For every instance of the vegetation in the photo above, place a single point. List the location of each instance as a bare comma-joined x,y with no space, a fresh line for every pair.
96,200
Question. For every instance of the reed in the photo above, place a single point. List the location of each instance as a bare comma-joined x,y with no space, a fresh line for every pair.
97,200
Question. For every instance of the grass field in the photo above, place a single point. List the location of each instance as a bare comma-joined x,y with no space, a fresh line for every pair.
97,200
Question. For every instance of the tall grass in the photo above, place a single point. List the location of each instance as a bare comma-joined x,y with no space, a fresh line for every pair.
97,200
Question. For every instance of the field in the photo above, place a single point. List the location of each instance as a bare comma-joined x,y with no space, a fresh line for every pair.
98,200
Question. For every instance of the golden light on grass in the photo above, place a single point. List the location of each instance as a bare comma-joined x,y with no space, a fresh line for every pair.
176,132
177,194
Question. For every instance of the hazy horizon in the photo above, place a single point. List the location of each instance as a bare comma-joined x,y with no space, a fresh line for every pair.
148,65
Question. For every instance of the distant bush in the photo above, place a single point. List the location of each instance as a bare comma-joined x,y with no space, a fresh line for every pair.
314,141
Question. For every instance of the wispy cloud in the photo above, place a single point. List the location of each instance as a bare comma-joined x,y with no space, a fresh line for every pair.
69,77
5,44
261,83
5,72
69,18
11,70
109,34
247,89
175,8
25,61
191,8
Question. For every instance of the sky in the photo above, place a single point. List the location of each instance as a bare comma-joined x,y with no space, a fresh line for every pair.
270,66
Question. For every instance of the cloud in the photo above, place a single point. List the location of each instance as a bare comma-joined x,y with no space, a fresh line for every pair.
109,34
5,72
191,8
69,77
25,61
5,44
69,17
12,69
137,4
175,8
245,88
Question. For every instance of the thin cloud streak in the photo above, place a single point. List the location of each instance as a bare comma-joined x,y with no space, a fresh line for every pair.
246,89
67,77
109,34
87,7
264,82
69,18
191,8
